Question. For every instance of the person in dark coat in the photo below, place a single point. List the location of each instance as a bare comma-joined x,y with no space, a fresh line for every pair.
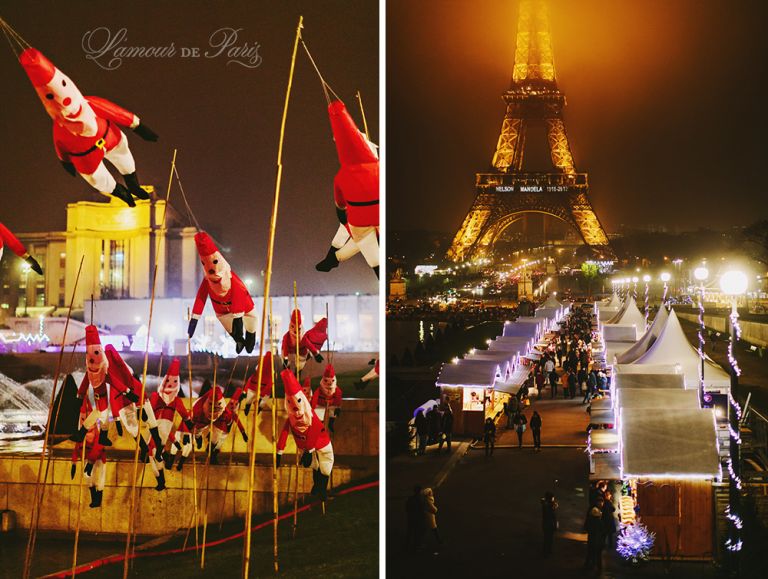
548,521
609,519
414,535
553,380
489,436
536,430
422,431
595,537
571,384
447,428
434,420
520,422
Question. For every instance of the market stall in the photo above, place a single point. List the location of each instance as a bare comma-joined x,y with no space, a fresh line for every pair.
469,389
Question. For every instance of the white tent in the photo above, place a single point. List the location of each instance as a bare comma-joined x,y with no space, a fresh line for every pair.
607,310
551,302
652,381
627,325
525,330
646,341
505,359
672,347
467,375
669,398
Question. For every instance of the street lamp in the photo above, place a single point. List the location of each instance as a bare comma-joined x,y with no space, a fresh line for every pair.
665,277
634,287
646,279
734,283
701,274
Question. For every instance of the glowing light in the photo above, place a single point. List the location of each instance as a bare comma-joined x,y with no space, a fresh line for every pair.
665,277
701,273
646,278
733,283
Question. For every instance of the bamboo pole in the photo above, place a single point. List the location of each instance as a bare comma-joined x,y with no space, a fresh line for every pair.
267,282
298,379
79,507
208,463
195,515
40,493
362,111
234,436
132,516
275,487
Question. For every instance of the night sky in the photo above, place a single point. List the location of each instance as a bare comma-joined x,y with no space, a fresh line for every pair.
224,119
665,106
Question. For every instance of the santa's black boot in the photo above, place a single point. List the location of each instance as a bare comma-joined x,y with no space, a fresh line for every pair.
214,456
79,435
160,481
123,194
250,341
119,427
315,488
169,458
329,261
247,409
104,438
158,444
376,271
322,483
88,469
179,464
96,502
237,334
143,455
93,497
134,186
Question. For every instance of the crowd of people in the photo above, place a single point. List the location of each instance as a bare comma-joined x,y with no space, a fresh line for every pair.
434,426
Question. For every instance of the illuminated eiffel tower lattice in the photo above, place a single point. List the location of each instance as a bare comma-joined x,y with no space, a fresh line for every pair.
507,193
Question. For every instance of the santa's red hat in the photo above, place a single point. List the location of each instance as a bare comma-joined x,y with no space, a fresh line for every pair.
205,245
296,316
173,369
236,395
39,69
329,372
292,386
350,142
92,336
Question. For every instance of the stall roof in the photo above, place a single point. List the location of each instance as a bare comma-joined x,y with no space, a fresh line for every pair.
516,346
646,341
607,466
551,302
647,369
605,440
501,368
672,347
473,375
512,385
547,313
668,443
629,315
626,333
624,381
515,330
497,355
657,398
601,404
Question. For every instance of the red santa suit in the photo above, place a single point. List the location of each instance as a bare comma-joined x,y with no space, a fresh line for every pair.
223,425
94,469
124,395
86,130
229,297
96,367
328,397
264,389
355,189
308,433
310,343
17,247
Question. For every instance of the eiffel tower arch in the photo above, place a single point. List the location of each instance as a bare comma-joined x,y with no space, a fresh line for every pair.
506,192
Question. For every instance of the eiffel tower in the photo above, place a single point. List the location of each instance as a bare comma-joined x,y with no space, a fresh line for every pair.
506,193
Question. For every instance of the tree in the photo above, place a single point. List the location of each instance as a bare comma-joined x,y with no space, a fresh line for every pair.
590,271
755,241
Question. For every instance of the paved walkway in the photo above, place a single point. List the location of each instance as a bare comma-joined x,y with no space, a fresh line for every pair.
489,512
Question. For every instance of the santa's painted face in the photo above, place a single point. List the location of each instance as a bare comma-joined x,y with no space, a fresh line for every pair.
217,271
299,411
96,364
306,388
328,386
217,409
66,105
169,389
292,327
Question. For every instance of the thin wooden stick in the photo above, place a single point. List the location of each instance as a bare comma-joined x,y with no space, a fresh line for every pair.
298,378
132,515
40,493
195,519
79,507
267,282
275,487
362,111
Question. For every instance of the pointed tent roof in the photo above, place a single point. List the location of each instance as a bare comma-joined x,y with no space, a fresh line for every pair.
609,309
630,315
646,341
551,302
672,347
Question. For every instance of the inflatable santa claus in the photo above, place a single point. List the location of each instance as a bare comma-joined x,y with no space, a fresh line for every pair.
230,298
86,130
309,434
355,191
372,374
310,343
264,389
96,367
223,425
95,468
166,404
208,408
9,239
327,398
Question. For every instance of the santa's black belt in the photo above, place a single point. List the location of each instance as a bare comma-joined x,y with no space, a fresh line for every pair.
362,203
99,144
221,303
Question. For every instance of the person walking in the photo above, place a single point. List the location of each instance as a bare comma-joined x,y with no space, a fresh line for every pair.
520,422
489,436
539,383
548,521
536,431
447,427
564,383
595,537
422,431
553,380
609,519
591,387
549,367
572,381
429,513
414,511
